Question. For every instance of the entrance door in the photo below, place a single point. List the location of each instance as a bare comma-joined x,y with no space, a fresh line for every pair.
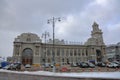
98,55
27,56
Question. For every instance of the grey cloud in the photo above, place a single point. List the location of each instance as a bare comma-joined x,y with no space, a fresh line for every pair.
18,16
112,34
30,14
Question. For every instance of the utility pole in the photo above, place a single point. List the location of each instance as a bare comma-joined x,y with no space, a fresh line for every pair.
45,35
53,20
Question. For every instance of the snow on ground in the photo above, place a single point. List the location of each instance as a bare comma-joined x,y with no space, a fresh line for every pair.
115,75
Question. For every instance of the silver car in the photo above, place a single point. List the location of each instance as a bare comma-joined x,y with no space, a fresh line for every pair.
112,65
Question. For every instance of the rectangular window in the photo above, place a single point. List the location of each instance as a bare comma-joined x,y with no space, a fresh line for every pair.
79,52
75,52
67,52
86,53
58,51
62,50
71,52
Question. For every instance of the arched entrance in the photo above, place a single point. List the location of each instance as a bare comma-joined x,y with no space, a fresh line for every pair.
98,55
27,56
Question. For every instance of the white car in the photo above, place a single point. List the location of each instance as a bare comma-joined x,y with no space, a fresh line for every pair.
47,65
112,65
73,65
27,66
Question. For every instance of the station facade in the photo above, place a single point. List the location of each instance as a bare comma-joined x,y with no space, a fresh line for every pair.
29,49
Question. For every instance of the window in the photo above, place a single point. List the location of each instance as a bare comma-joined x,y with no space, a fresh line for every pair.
58,52
82,54
75,52
62,60
67,52
78,52
27,53
48,52
28,39
62,50
68,61
86,53
71,52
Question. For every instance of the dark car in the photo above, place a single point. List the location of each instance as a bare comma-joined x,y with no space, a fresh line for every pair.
91,65
101,64
16,66
83,65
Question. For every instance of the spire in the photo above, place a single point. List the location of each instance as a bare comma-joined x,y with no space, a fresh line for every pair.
95,26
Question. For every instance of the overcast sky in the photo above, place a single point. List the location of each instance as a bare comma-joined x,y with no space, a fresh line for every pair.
22,16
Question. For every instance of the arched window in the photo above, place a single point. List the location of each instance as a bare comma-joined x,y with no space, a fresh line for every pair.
27,53
27,56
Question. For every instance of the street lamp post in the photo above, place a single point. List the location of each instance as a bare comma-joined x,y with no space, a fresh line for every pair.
45,35
53,20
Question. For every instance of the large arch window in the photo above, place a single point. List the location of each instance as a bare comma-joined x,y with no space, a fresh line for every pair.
27,56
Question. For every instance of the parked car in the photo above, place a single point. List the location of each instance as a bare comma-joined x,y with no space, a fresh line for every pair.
27,66
8,67
112,65
47,65
83,65
117,63
101,64
73,65
16,66
91,65
51,65
4,63
78,63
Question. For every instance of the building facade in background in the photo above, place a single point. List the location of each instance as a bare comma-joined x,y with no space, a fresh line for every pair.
29,49
113,52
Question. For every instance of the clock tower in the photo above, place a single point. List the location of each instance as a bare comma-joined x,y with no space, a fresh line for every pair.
97,34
